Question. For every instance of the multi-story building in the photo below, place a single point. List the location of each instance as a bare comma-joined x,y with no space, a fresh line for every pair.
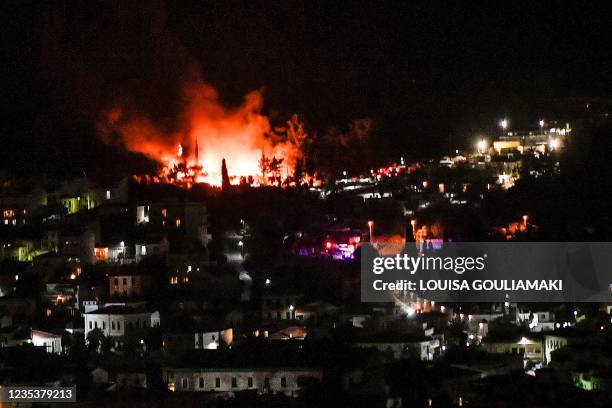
117,320
232,371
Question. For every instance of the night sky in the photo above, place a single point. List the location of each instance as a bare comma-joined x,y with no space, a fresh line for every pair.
430,75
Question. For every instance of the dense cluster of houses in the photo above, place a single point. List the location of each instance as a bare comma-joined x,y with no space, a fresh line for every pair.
126,268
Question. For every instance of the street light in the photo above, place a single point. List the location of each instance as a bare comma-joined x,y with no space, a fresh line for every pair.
541,123
525,218
504,124
371,227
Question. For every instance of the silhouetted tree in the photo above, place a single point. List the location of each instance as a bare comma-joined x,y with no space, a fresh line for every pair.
225,180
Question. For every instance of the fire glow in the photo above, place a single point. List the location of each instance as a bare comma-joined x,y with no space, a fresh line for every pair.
207,133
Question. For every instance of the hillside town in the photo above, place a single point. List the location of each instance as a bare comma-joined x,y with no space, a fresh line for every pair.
139,291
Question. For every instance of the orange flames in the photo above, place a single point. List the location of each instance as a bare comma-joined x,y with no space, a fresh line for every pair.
208,133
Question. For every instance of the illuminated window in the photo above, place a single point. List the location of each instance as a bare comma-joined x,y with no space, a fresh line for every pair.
178,223
164,213
101,254
108,194
8,213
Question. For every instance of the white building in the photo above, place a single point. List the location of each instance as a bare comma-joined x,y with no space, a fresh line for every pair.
552,342
117,320
537,321
263,380
50,341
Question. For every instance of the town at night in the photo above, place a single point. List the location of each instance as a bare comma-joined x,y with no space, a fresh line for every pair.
306,204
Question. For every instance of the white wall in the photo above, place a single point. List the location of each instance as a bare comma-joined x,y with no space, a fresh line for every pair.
206,380
116,324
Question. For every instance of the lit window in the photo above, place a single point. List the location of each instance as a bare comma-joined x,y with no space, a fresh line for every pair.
108,194
178,223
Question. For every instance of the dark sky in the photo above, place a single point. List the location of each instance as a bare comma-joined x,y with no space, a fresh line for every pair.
430,74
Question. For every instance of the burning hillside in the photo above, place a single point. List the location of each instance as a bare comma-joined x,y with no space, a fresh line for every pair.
206,133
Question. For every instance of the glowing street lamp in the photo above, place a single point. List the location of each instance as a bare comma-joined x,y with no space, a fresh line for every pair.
541,123
371,227
504,124
525,218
